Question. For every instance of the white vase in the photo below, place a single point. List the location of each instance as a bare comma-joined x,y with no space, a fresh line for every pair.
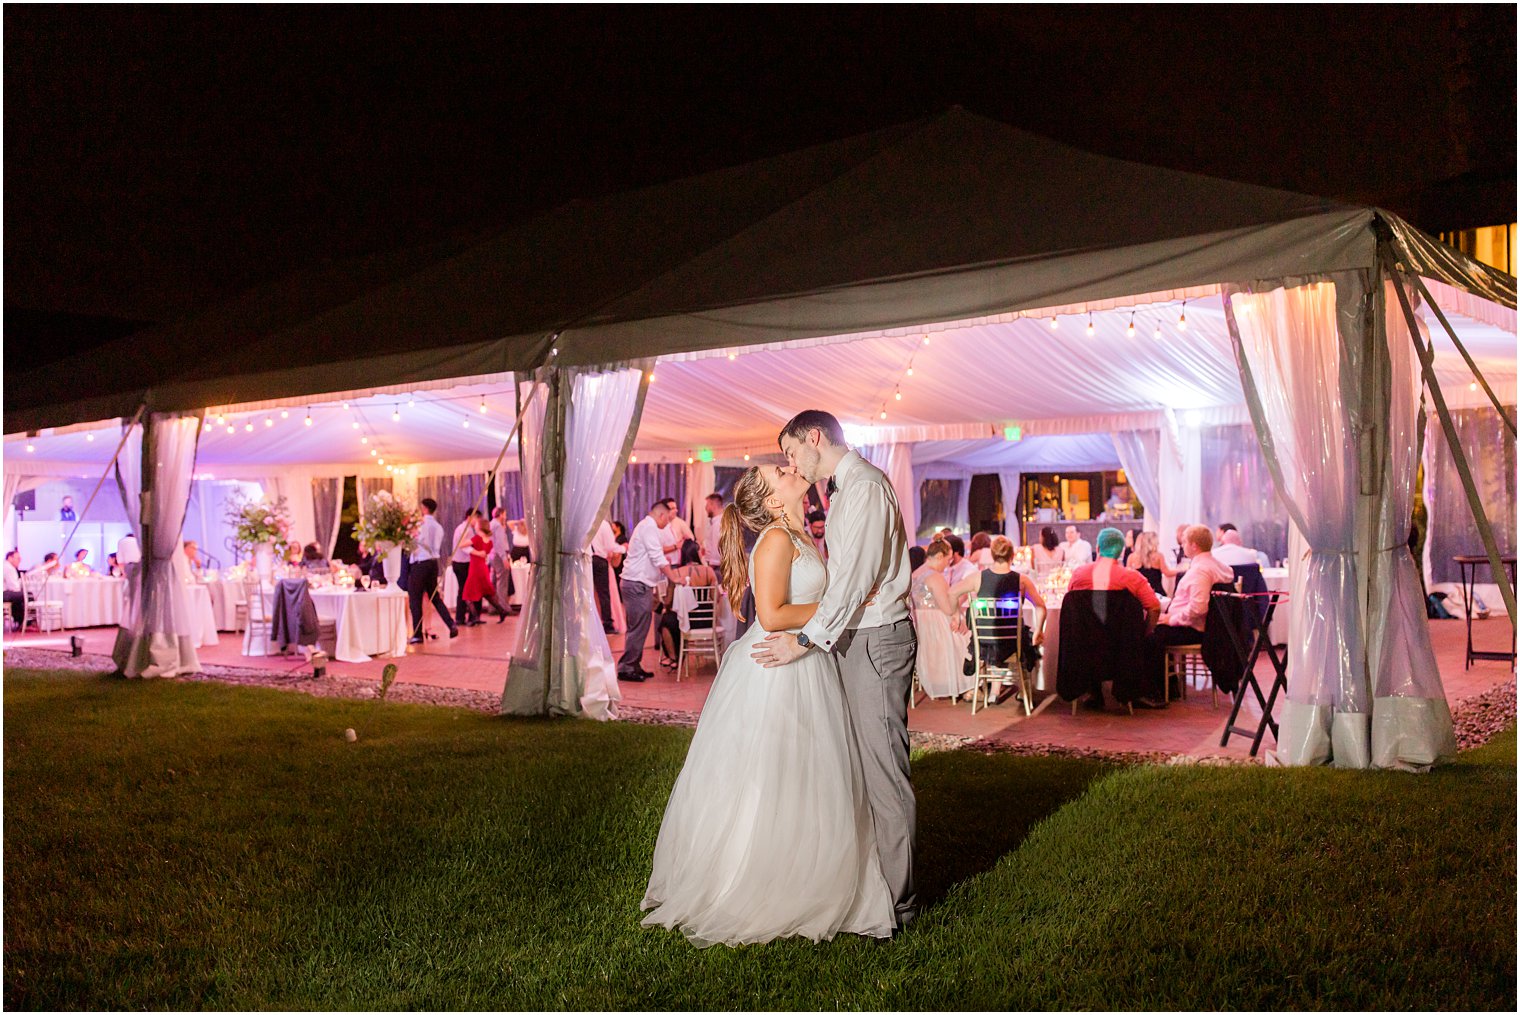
263,561
392,565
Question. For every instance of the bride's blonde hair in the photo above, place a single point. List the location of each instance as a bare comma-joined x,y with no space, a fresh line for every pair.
748,511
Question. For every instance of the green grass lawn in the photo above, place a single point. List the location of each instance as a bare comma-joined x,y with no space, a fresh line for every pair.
197,845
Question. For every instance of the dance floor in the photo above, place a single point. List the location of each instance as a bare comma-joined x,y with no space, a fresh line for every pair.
477,660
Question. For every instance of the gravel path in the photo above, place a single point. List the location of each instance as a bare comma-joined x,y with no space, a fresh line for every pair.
1477,719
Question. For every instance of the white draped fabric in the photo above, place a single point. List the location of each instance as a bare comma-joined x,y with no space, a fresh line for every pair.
701,480
1411,721
12,487
601,410
1302,385
1140,458
526,691
295,487
1009,481
158,634
327,510
896,460
1179,476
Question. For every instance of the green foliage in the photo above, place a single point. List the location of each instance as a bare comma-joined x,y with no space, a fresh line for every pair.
204,846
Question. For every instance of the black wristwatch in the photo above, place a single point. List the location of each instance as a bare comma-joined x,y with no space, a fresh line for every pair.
804,640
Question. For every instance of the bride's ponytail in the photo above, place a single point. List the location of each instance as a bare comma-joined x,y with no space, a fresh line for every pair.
748,511
735,562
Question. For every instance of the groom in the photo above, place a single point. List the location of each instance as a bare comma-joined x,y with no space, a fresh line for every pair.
864,620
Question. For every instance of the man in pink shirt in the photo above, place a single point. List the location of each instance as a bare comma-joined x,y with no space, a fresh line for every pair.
1182,621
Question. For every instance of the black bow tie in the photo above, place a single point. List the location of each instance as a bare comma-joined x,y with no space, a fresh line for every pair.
830,488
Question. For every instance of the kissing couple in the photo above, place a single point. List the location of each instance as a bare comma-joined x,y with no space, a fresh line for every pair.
794,813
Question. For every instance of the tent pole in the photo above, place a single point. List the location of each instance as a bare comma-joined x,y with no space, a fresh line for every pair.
84,513
1459,459
1452,334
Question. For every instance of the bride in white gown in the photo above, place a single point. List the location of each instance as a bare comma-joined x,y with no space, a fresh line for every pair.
768,833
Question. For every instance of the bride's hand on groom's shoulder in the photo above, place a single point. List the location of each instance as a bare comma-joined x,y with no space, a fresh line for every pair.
777,650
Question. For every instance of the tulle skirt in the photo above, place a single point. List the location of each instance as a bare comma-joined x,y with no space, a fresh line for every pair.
768,833
941,656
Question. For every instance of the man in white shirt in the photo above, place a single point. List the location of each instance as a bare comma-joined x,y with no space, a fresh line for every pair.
1182,621
959,568
863,619
676,533
13,593
1229,551
129,556
642,569
1078,550
422,574
605,554
711,554
459,560
501,547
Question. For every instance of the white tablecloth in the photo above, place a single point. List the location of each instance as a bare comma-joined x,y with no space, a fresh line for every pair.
89,602
365,624
226,597
1277,581
1045,680
202,616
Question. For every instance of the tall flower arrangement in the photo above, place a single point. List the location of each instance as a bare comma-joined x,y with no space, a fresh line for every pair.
259,522
387,522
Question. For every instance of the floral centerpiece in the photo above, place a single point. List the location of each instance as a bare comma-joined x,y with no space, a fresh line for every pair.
387,523
257,523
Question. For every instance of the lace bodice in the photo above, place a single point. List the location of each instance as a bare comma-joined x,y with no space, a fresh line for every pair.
809,575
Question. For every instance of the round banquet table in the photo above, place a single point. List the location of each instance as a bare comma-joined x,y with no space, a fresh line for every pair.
365,624
89,602
202,618
1277,581
226,596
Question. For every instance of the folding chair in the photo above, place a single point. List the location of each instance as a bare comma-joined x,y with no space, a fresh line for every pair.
255,616
696,611
995,625
1259,639
39,607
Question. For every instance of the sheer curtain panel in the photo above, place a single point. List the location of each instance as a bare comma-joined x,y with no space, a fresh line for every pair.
1140,458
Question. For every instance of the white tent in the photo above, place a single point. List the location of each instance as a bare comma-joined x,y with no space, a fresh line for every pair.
702,313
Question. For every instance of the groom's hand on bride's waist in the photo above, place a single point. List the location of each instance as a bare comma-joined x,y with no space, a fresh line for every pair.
777,650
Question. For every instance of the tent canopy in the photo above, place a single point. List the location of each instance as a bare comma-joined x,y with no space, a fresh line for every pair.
952,218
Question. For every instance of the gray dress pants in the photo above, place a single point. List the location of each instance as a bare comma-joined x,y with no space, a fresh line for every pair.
876,665
638,604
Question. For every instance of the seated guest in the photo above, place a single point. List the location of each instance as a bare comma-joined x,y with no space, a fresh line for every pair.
1078,550
312,558
944,533
1000,581
1048,553
1146,558
113,566
960,568
942,634
294,554
80,568
692,571
1229,551
47,569
981,550
13,593
193,558
1107,573
1183,619
916,556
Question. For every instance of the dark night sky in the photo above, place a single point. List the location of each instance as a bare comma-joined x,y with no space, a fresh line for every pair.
157,159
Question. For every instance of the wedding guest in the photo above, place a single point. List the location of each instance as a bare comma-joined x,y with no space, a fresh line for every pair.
678,532
113,566
817,523
312,558
501,565
459,560
13,593
916,555
1048,554
1182,622
942,635
620,531
478,586
1107,573
605,554
422,578
642,569
1178,553
981,550
129,554
1229,549
692,572
713,525
521,544
193,558
1078,550
66,512
960,568
1000,581
1146,559
47,569
80,568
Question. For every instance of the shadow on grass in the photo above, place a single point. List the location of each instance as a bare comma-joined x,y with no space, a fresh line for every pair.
975,808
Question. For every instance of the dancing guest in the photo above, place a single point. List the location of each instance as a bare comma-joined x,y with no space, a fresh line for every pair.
422,576
477,582
942,635
642,569
459,560
1182,622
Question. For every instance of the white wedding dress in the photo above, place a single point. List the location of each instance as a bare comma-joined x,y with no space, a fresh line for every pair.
768,832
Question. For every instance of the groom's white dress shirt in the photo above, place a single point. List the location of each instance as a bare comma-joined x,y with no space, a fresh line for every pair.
867,547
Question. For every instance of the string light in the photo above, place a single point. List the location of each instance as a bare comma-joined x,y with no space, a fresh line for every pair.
651,377
1055,324
1089,326
1158,329
926,340
364,440
1473,386
732,356
30,448
883,412
308,417
284,413
395,414
209,424
248,427
1182,320
356,424
910,369
897,394
231,428
220,419
633,459
390,468
411,400
689,460
746,456
482,406
89,437
1130,331
467,423
345,405
269,421
373,452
